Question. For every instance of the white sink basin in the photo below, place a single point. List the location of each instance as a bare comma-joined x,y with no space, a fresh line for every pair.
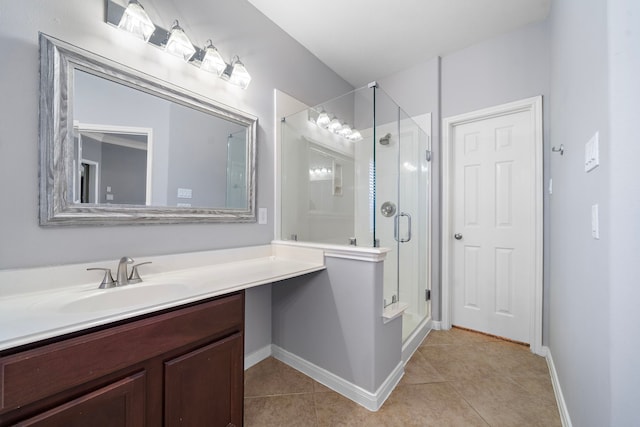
125,297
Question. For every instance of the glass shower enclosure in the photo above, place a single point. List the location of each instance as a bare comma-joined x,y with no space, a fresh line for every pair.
355,170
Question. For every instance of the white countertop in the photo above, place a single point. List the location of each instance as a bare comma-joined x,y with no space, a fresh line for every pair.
39,313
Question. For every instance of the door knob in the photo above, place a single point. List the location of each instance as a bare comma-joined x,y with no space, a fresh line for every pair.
458,236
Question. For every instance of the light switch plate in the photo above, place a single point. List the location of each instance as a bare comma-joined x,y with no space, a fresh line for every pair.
184,193
592,153
262,215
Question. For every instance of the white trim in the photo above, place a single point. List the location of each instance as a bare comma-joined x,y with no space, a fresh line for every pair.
393,311
562,405
358,253
534,107
257,356
96,184
436,325
371,401
416,338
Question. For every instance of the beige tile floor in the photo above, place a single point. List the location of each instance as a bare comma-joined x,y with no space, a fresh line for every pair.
456,378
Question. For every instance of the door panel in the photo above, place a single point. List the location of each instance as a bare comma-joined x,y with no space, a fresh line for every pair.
493,211
202,386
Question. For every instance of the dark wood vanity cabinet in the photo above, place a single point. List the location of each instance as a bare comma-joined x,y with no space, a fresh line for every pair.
182,367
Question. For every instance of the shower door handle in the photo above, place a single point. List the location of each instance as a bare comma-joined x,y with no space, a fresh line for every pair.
396,228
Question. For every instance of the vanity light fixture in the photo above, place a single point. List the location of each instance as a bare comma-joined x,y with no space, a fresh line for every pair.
212,60
178,43
175,41
136,21
236,73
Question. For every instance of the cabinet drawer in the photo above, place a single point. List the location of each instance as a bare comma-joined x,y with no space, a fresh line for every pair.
119,404
35,374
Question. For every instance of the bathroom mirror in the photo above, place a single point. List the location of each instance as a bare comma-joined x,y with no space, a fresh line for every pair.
121,147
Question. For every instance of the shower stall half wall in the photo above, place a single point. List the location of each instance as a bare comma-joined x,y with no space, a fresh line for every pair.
355,170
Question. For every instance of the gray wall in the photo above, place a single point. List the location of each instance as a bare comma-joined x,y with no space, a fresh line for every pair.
124,169
271,56
333,319
624,212
198,157
580,296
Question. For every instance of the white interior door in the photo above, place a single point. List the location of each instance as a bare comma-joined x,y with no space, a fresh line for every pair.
494,226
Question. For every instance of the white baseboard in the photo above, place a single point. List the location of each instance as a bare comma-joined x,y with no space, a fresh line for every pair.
415,339
257,356
371,401
562,405
436,325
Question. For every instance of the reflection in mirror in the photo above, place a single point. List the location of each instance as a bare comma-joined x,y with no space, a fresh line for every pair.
236,169
112,164
118,146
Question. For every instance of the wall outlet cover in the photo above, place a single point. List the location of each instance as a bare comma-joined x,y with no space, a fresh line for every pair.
262,215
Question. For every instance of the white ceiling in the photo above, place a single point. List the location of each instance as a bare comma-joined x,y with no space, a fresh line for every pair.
364,40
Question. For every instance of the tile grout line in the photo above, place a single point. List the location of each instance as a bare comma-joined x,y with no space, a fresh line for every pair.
315,407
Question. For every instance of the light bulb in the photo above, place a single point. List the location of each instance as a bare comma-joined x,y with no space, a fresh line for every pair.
334,125
179,44
136,21
323,119
345,130
236,73
355,135
212,60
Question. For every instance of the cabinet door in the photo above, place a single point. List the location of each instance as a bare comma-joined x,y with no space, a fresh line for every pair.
117,405
205,387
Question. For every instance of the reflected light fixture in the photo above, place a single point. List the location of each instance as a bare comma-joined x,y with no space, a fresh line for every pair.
345,130
136,21
179,44
355,136
236,73
323,119
334,125
212,60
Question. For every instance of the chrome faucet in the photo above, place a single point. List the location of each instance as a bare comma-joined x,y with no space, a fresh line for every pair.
122,278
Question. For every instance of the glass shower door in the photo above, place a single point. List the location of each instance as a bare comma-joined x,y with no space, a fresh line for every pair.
412,225
401,213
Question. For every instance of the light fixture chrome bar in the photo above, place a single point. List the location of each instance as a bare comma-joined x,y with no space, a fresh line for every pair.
159,37
234,72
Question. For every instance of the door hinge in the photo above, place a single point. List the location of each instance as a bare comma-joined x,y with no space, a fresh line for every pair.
427,155
427,294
